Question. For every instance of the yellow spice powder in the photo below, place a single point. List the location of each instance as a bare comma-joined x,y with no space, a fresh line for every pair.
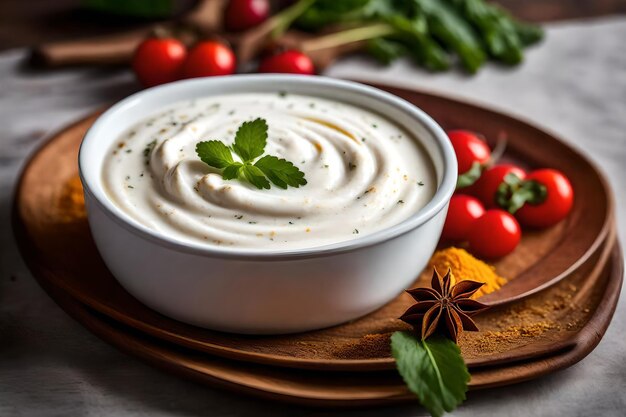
71,203
465,266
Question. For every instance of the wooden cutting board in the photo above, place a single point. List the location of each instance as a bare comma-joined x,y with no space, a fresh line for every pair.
339,388
60,251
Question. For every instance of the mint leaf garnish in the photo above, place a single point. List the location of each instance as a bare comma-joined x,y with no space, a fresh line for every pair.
255,176
433,369
281,172
250,141
232,171
214,153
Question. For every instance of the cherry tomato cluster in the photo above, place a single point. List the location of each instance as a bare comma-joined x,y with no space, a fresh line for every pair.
162,60
493,200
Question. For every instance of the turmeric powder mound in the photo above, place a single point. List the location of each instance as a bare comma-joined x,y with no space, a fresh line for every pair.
465,266
71,203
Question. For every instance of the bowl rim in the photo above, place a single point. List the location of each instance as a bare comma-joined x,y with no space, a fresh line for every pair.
437,203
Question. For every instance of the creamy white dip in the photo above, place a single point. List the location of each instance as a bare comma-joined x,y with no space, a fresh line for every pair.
364,173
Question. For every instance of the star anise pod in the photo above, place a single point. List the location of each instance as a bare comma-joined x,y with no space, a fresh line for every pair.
444,303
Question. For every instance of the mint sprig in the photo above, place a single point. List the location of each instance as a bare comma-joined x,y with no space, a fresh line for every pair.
214,153
280,171
250,142
433,369
251,139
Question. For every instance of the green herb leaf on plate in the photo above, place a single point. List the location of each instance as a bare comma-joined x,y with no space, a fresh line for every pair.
433,370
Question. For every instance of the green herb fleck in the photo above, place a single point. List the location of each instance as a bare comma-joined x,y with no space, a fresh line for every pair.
148,150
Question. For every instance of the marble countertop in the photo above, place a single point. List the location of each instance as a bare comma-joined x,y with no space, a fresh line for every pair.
574,84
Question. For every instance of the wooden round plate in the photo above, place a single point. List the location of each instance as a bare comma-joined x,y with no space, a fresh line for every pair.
61,251
337,389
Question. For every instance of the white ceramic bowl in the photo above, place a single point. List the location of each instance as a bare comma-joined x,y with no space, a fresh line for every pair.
247,291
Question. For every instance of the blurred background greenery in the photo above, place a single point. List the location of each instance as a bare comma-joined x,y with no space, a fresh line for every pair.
30,22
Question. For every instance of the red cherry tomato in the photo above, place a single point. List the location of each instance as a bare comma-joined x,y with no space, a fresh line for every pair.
495,234
469,148
288,62
557,204
487,185
244,14
209,58
462,213
158,61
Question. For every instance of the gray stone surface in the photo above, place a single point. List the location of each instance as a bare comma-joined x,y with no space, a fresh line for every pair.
574,84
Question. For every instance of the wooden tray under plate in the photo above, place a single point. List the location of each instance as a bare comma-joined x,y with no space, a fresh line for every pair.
61,252
336,388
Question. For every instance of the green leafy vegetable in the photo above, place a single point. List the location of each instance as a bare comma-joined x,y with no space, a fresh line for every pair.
385,50
504,36
431,32
412,32
328,12
250,142
452,31
433,370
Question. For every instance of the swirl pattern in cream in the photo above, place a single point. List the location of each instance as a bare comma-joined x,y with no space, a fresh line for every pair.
364,173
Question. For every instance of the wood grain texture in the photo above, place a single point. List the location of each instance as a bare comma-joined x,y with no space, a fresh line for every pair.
343,389
62,253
